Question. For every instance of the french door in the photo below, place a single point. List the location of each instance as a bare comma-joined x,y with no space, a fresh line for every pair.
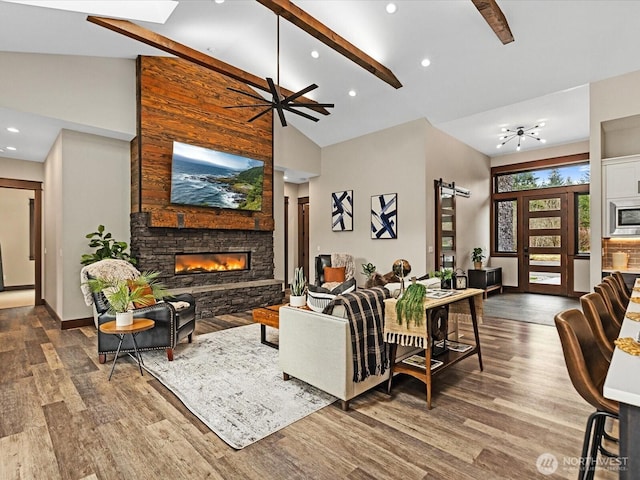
544,256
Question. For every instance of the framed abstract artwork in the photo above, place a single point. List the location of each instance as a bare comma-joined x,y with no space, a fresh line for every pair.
384,216
342,211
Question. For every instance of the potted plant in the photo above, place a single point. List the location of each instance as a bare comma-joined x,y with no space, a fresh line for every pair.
126,295
298,287
368,269
446,275
106,247
477,256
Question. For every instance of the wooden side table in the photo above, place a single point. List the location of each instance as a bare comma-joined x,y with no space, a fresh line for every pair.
267,316
138,325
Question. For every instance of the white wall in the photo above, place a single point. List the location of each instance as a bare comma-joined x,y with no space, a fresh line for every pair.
18,270
292,150
405,159
21,170
88,179
94,91
278,219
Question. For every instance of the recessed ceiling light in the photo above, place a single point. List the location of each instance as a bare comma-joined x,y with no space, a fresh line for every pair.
315,54
13,130
285,177
391,8
11,148
352,93
425,62
219,1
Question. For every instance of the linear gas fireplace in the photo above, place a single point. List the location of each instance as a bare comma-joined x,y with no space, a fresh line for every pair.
190,263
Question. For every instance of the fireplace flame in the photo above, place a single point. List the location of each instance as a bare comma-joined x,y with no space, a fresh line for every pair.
211,262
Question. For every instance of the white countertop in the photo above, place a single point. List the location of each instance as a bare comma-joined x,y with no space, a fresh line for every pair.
623,382
635,271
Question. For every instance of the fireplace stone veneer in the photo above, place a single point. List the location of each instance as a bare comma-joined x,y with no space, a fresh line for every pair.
216,293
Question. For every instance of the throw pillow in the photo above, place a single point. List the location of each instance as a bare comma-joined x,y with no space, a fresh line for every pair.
146,297
314,288
334,274
345,287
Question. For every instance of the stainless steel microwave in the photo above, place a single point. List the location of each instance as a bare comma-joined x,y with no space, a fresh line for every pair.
624,217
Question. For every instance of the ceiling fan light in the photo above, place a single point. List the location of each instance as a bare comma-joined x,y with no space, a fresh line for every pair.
518,148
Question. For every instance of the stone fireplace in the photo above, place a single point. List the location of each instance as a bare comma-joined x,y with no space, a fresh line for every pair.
235,272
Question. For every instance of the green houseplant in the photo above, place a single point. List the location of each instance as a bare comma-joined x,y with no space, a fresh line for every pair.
476,257
410,306
125,295
106,247
298,287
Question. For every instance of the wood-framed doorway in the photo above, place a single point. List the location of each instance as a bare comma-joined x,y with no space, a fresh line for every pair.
303,234
36,187
544,261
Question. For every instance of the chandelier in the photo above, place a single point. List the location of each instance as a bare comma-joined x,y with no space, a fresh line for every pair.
521,134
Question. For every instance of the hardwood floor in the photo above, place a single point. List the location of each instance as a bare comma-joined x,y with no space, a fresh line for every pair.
62,419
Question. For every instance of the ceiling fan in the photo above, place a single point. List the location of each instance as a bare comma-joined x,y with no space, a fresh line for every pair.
278,102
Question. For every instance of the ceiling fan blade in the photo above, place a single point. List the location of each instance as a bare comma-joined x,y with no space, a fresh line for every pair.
255,117
300,93
318,30
257,97
250,106
148,37
297,112
492,14
277,98
308,105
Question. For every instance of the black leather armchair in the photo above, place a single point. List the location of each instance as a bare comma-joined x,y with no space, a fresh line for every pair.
171,326
321,262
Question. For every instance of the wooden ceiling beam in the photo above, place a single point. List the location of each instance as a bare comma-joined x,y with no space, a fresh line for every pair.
165,44
317,29
491,12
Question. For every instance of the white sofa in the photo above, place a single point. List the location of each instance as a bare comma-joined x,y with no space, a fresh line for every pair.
316,348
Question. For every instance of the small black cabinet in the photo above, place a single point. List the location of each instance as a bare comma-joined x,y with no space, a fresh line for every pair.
487,279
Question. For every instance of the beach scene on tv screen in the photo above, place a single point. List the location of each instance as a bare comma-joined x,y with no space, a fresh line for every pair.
208,178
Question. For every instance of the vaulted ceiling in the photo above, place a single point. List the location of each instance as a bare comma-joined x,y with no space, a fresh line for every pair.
474,85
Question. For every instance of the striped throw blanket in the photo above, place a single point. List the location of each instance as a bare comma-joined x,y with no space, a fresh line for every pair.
365,312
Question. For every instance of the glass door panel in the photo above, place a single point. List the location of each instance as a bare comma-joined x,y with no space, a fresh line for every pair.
545,253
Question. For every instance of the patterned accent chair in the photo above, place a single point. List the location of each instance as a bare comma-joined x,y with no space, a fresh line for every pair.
175,316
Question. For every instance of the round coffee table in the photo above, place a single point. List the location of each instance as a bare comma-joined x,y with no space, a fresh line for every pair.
138,325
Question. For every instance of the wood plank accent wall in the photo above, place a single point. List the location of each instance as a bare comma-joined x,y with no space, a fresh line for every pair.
181,101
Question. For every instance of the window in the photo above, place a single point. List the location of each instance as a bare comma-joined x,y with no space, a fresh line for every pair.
506,215
583,225
577,174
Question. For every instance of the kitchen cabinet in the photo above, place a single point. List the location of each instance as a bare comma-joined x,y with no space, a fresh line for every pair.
621,177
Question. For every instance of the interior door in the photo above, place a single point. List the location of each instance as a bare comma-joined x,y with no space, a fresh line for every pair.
544,256
303,235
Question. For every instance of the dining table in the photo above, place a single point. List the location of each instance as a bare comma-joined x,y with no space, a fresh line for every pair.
623,385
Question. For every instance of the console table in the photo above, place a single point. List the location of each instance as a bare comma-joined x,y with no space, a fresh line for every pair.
449,357
487,279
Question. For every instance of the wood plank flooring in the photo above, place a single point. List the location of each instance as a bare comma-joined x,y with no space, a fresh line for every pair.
62,419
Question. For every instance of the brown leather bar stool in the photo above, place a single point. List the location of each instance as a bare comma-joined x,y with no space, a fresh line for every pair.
587,367
616,308
620,278
617,289
603,326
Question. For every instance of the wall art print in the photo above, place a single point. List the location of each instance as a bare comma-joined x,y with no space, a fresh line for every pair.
384,219
342,211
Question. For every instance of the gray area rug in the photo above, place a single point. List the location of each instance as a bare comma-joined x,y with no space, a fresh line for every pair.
232,382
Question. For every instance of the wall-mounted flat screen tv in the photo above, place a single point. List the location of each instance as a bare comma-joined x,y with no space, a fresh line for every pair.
204,177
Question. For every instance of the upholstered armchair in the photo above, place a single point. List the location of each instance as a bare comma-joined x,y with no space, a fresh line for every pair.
333,261
174,316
